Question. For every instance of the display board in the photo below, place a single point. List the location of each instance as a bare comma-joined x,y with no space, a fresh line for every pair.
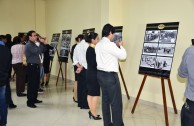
54,43
118,34
158,49
86,31
65,45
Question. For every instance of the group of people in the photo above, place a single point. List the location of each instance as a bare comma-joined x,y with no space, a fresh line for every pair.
29,57
96,66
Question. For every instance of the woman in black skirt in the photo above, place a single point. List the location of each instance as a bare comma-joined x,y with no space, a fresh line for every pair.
91,76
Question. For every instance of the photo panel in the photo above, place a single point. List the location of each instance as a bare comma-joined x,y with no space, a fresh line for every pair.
118,34
166,50
168,36
117,37
158,49
163,63
152,36
64,52
66,40
148,61
150,48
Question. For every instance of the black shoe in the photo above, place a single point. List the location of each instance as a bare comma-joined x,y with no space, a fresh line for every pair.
42,84
91,116
38,101
21,94
40,90
74,100
31,105
46,84
84,107
12,106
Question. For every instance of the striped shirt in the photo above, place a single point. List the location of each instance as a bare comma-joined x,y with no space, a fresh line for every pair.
186,70
17,52
108,54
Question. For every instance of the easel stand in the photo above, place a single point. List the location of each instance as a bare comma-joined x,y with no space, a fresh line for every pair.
124,83
60,70
163,94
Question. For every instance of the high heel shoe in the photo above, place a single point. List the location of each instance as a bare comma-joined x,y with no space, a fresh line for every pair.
91,116
74,100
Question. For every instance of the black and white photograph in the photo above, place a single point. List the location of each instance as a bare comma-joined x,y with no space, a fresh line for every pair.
166,50
168,36
150,48
152,36
54,44
163,63
66,40
148,61
117,37
64,52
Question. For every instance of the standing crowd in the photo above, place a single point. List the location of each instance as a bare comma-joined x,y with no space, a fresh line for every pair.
95,65
28,55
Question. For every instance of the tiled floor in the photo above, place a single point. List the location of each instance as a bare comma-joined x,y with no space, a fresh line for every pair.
58,109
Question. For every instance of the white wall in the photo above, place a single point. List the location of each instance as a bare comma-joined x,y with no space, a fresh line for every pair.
22,16
138,13
71,14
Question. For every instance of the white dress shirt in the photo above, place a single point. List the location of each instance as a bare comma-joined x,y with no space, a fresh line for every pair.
79,55
108,54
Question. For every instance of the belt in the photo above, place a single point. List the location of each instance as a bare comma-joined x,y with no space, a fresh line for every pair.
106,71
33,64
189,101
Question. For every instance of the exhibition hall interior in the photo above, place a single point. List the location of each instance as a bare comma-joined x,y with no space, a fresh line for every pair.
155,35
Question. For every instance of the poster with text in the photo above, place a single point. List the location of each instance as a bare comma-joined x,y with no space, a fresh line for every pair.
118,34
54,43
65,45
158,49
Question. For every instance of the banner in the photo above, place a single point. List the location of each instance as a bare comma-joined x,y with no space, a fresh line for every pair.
65,45
158,49
54,43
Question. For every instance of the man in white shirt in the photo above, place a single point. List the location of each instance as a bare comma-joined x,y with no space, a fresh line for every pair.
79,59
107,56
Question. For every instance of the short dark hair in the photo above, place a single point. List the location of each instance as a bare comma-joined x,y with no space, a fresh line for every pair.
16,40
30,34
192,41
80,36
107,29
2,37
8,36
90,36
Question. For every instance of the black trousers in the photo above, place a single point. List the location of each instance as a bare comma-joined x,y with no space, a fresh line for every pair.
187,113
20,71
33,73
82,90
111,98
8,93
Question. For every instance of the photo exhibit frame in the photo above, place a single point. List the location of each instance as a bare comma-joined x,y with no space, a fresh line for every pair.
54,44
158,49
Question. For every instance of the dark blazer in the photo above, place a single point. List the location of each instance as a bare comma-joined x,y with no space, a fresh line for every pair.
5,62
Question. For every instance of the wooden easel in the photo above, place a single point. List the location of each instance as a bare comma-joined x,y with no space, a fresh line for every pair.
60,70
164,97
124,83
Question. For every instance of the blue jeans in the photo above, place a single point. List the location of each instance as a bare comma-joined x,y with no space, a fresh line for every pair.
3,106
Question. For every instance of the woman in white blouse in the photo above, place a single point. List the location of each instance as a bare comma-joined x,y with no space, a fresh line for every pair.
19,67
